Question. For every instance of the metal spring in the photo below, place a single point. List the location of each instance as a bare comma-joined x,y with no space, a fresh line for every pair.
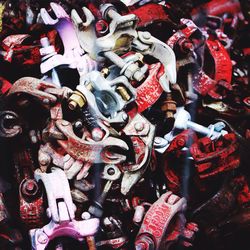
89,119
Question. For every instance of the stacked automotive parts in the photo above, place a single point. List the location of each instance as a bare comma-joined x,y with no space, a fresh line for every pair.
124,124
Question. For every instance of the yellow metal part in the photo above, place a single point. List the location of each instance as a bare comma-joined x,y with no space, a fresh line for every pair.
124,93
77,99
105,72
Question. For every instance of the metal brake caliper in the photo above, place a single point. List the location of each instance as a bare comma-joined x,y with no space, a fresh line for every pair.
61,210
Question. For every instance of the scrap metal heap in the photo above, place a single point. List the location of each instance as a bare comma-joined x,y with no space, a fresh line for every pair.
124,124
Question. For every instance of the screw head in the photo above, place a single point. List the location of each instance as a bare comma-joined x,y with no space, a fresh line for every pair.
29,187
42,238
97,134
86,216
111,171
78,124
146,35
139,126
158,140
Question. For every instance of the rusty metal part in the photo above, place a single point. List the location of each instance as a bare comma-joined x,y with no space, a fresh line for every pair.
45,93
90,151
31,204
149,45
169,106
48,154
51,131
34,87
214,157
218,8
9,124
183,139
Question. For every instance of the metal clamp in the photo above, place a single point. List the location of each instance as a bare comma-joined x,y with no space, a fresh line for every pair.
61,211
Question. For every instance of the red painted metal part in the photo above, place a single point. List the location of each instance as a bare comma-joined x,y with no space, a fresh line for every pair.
219,7
243,196
4,85
185,32
31,210
31,204
205,84
150,13
215,157
150,90
156,221
223,64
162,226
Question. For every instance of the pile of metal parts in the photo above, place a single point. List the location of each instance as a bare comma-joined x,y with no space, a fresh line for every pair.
124,124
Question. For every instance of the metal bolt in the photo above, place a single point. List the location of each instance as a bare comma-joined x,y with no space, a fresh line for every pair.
29,188
44,159
86,216
76,99
97,134
139,126
181,142
101,26
105,72
42,238
146,35
46,101
124,93
158,140
111,171
78,124
124,116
